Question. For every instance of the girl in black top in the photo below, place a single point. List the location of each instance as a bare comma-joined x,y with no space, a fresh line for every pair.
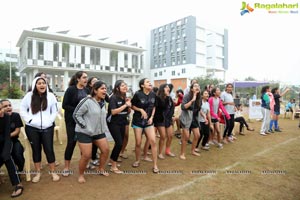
143,104
5,156
75,92
118,109
163,119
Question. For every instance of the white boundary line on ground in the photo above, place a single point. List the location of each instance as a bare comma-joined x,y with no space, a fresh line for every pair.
170,190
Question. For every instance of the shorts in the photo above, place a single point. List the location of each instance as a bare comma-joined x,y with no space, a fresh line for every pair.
135,126
214,121
165,124
84,138
276,112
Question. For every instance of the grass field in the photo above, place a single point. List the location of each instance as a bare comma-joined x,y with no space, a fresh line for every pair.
254,167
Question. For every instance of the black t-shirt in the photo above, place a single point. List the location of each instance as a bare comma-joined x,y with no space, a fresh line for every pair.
277,102
146,102
120,118
4,121
15,122
164,109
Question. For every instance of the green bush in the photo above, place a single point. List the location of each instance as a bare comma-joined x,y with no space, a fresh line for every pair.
13,92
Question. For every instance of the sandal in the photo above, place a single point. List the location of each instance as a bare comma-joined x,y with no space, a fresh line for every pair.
103,173
116,171
123,156
155,170
136,164
14,194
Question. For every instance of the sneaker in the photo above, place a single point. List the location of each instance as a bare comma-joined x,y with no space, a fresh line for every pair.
206,148
220,146
189,142
270,131
277,130
197,150
215,142
95,162
160,156
264,134
230,140
90,166
225,141
207,144
55,177
36,178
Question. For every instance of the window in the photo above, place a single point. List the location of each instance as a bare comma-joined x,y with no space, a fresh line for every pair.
126,60
134,61
155,74
98,56
82,55
40,50
183,70
65,52
173,73
183,59
113,58
92,56
142,61
160,73
55,51
173,60
29,49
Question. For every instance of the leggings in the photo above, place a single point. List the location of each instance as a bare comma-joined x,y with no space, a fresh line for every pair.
17,154
39,137
242,122
94,152
229,123
117,132
11,169
204,133
71,140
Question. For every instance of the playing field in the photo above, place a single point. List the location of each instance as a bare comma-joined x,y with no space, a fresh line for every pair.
254,167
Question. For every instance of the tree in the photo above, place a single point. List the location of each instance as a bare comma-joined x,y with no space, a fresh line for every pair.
249,78
4,75
13,92
208,80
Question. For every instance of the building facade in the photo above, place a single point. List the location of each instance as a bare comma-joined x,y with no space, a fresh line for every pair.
184,49
60,56
9,56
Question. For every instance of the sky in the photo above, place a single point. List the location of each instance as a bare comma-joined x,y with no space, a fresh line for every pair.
261,45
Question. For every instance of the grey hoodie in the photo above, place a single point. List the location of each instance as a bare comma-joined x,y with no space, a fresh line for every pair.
90,118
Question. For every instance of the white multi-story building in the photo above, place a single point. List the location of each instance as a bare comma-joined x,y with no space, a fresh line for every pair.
185,49
60,56
9,56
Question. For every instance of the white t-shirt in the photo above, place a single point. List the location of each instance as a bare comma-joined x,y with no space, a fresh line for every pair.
205,109
227,98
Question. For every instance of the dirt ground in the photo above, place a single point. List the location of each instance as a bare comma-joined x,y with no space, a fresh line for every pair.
254,167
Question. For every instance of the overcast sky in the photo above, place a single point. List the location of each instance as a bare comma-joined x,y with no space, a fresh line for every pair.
261,45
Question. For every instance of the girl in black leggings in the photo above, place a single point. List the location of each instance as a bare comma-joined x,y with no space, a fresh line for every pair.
39,109
76,91
5,156
118,109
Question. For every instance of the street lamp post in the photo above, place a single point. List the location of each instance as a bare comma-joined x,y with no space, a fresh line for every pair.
9,63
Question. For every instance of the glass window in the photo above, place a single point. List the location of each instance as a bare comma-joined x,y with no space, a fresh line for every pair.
55,51
98,56
126,59
65,52
160,73
92,56
82,55
134,61
173,73
29,49
155,74
113,58
183,70
40,50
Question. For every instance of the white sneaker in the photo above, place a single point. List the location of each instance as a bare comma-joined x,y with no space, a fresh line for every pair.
220,146
36,178
263,134
215,142
205,148
55,177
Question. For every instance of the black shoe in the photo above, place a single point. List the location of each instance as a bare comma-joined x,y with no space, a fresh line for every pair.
277,130
270,131
189,142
